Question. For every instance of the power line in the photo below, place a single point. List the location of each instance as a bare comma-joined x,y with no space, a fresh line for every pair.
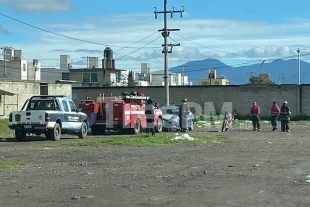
137,49
128,46
73,38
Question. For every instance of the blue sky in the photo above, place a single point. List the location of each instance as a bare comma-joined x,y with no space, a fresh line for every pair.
235,32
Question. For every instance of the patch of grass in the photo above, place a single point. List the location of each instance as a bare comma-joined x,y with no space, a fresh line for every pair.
9,165
143,140
6,132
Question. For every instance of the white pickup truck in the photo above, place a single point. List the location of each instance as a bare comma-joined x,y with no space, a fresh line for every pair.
49,115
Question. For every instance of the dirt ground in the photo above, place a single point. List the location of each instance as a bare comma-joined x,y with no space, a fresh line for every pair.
248,169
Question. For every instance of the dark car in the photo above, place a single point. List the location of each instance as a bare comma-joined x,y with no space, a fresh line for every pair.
171,119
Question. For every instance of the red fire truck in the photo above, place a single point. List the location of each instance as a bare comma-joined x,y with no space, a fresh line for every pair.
124,113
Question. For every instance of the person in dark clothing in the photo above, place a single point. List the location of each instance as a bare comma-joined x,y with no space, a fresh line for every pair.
150,115
183,114
285,117
255,111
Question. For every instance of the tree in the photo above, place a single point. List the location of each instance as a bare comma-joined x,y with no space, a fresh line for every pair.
260,80
131,79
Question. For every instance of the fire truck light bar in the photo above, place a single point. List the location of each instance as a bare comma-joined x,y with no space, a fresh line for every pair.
136,97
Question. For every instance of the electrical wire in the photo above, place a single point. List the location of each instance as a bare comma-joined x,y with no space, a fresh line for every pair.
72,38
137,49
128,46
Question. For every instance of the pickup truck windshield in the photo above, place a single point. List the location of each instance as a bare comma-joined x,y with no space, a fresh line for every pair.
48,105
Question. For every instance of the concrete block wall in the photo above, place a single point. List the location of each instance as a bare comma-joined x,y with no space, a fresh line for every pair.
25,90
60,89
241,97
305,100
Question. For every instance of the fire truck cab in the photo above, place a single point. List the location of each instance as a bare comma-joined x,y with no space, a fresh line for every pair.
125,113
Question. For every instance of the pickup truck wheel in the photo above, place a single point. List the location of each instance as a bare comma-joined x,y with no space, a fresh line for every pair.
20,135
83,131
159,127
55,133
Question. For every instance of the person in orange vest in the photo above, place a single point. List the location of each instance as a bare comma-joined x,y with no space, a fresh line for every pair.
275,112
255,111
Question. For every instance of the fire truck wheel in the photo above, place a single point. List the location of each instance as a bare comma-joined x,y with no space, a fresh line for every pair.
159,126
137,127
97,130
93,130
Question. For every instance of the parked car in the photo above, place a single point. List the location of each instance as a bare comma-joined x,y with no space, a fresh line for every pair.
171,119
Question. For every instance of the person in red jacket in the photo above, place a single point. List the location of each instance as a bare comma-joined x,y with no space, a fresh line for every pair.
275,112
255,111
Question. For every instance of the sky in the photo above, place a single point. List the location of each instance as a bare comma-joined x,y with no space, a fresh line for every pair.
234,32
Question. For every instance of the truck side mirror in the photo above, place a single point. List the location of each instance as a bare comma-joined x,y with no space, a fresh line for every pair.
79,110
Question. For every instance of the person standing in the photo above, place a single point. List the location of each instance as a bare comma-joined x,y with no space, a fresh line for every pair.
255,111
285,117
183,115
150,115
275,112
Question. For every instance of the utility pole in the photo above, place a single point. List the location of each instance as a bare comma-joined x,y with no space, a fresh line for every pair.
87,58
282,77
298,52
183,76
165,33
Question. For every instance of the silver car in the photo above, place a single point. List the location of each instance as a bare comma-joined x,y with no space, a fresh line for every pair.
171,118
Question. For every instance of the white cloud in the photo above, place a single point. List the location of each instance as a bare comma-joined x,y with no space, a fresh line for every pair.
221,39
39,6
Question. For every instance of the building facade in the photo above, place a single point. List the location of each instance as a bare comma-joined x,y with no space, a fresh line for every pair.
213,79
14,67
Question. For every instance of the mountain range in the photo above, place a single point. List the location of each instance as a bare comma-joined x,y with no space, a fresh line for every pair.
281,71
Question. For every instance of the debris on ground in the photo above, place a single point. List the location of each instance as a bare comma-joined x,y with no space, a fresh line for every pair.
183,136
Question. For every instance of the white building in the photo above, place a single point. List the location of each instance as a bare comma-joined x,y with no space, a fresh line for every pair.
14,67
175,79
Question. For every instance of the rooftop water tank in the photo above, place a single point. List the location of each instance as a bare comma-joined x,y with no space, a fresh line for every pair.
108,53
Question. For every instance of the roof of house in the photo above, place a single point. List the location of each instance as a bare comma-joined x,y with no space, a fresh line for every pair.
161,72
3,92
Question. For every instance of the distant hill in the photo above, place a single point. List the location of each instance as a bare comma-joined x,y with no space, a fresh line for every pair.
240,75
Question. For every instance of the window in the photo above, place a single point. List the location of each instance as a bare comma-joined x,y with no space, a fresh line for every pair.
90,77
65,76
42,105
24,67
174,79
65,104
72,106
216,83
118,77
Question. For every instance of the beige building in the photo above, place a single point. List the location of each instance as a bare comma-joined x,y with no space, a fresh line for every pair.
213,79
96,77
13,94
93,76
